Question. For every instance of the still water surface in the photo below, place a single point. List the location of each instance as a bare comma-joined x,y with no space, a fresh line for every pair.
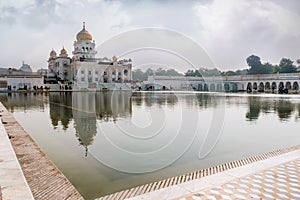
111,141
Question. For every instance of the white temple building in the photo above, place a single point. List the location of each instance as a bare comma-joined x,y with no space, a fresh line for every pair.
84,70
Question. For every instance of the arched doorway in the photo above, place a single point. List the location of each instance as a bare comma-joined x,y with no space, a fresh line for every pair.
254,86
226,87
288,85
268,86
249,87
281,85
234,87
295,86
261,87
280,88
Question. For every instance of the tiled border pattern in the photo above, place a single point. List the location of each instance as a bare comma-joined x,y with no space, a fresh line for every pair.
194,175
43,177
279,182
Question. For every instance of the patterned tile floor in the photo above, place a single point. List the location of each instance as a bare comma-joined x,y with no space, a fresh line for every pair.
280,182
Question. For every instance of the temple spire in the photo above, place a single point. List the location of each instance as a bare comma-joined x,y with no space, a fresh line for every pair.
83,25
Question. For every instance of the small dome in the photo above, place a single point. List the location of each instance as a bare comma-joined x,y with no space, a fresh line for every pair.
84,34
25,68
52,53
63,51
114,58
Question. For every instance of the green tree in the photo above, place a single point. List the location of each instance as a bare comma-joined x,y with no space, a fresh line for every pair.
209,72
298,63
228,73
241,72
138,75
160,72
267,68
149,72
173,72
254,63
286,66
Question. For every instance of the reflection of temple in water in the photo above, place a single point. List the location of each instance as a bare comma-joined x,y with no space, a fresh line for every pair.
150,99
90,106
60,109
113,105
283,108
84,107
23,101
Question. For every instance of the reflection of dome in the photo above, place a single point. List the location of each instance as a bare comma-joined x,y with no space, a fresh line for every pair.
52,53
63,51
84,34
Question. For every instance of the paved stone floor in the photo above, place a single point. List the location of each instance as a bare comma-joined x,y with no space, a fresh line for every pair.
280,182
274,178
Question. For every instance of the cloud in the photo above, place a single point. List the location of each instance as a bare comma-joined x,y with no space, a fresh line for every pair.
33,28
229,30
232,30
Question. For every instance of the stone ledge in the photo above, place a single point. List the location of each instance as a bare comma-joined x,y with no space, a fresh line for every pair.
143,189
45,180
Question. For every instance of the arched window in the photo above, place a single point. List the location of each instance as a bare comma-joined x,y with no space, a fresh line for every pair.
267,86
249,86
254,86
295,86
281,85
226,87
261,87
288,85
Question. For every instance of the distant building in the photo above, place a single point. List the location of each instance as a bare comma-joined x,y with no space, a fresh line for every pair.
12,80
43,72
84,69
25,68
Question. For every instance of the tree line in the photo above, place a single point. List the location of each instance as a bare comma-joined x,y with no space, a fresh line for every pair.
139,75
285,65
254,62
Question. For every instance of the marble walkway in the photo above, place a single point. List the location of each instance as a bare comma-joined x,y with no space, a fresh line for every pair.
12,181
274,178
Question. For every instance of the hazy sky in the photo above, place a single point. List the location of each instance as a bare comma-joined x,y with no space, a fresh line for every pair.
228,30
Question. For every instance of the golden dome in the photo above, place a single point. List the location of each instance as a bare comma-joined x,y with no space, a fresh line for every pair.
84,34
63,51
52,53
114,58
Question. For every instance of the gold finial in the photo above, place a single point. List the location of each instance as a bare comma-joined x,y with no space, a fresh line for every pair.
63,51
